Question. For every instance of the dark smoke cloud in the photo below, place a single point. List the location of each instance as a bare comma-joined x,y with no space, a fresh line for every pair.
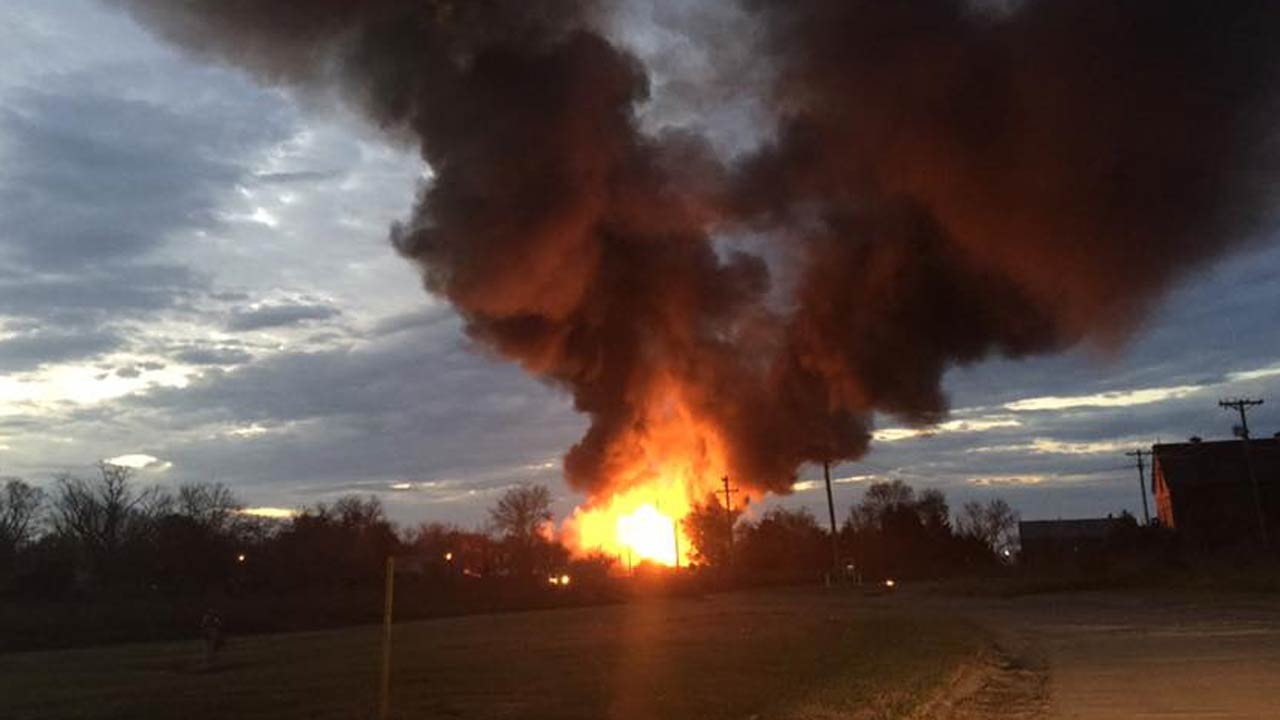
948,181
1005,181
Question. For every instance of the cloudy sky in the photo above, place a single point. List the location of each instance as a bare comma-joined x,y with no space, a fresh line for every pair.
195,280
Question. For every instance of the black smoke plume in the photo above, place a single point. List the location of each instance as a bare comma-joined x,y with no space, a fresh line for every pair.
948,180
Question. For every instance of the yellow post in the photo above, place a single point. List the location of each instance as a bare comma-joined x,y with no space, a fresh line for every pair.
384,695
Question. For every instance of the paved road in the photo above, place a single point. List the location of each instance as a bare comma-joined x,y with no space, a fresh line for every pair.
1113,656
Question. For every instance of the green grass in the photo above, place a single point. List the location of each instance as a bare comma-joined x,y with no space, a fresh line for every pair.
774,654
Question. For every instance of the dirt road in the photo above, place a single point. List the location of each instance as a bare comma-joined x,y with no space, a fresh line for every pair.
1113,656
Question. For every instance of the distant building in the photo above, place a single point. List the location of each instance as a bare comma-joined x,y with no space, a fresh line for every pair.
1203,490
1046,542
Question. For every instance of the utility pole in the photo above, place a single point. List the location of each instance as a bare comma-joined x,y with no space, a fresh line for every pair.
675,532
675,539
384,686
831,515
1242,405
728,511
1142,482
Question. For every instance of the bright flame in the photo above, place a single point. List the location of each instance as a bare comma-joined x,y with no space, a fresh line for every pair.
659,472
650,535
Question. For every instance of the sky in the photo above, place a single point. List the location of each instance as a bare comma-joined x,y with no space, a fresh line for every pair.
196,281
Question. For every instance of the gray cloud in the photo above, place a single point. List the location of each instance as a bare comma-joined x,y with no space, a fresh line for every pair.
415,406
415,320
213,356
89,178
274,316
94,296
29,351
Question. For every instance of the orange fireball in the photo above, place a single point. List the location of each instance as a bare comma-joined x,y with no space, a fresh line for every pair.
673,461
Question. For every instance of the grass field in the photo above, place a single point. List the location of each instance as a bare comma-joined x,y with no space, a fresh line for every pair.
768,654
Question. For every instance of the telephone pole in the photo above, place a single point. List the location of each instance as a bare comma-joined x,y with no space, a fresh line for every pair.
1242,405
384,678
1142,482
728,510
831,515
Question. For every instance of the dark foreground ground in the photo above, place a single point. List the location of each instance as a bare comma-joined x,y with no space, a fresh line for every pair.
804,653
1145,655
1107,656
777,654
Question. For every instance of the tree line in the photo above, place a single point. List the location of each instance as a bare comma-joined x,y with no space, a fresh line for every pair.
892,532
136,553
93,535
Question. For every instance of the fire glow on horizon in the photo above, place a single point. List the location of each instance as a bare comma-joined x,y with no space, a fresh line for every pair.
662,471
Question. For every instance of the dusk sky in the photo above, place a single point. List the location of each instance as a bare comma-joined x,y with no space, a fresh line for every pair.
195,280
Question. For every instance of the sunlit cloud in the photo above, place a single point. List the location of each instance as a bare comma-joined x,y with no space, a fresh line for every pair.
273,513
139,461
78,385
1006,480
248,431
1047,446
1120,398
808,485
968,425
1259,374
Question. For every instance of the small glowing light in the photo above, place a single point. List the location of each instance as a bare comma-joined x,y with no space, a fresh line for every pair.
240,558
448,557
553,580
564,579
889,583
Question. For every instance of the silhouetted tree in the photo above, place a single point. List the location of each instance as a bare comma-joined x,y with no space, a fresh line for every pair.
896,532
20,506
345,543
880,501
933,510
993,523
99,518
521,519
709,530
784,545
522,513
197,543
210,505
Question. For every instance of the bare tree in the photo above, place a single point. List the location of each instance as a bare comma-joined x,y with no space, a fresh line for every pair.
521,518
101,516
20,505
522,513
880,500
933,509
992,523
212,506
354,511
